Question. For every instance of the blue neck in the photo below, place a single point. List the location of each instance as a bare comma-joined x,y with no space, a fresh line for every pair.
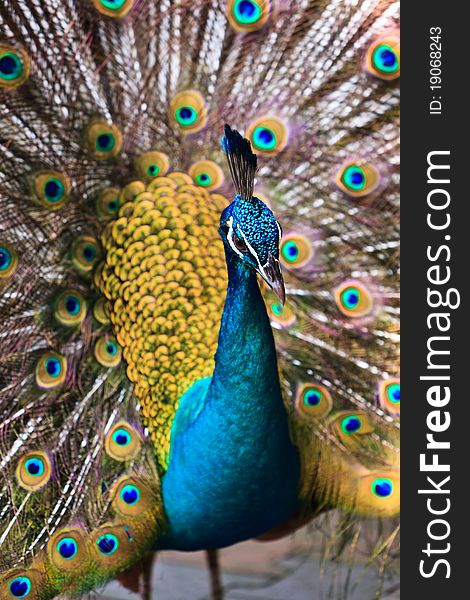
233,472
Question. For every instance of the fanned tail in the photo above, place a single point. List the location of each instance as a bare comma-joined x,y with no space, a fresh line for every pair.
95,102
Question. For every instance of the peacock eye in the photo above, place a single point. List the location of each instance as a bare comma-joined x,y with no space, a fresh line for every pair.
85,253
239,244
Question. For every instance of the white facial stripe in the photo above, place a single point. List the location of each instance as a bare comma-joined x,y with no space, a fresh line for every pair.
253,253
248,245
230,238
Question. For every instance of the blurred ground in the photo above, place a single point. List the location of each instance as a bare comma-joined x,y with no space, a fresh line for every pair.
287,569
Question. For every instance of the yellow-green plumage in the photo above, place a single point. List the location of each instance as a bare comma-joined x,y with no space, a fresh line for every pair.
164,277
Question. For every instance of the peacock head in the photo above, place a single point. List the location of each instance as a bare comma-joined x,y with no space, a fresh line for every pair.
252,233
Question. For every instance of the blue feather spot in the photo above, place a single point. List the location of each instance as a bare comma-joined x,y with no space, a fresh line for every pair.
8,65
263,138
312,397
67,548
351,424
130,494
72,305
186,115
34,466
122,437
382,487
54,190
108,544
105,142
385,59
53,367
20,587
89,252
247,11
111,348
393,393
5,258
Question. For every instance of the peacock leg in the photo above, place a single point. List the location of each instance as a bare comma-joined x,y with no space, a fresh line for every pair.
217,590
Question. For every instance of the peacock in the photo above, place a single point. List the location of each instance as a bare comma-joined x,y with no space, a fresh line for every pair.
198,277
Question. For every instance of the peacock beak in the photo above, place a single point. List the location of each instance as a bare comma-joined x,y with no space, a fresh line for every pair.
271,273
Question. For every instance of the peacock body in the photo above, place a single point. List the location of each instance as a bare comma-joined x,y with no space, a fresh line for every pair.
146,401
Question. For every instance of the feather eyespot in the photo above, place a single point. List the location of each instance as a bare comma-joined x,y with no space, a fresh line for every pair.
248,15
268,135
33,471
383,58
351,424
348,424
188,111
358,178
113,8
152,164
111,544
8,261
70,308
295,251
207,174
107,544
122,442
51,189
14,67
51,370
389,395
67,549
85,253
382,487
282,314
313,400
20,587
353,299
131,497
108,203
107,351
103,139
